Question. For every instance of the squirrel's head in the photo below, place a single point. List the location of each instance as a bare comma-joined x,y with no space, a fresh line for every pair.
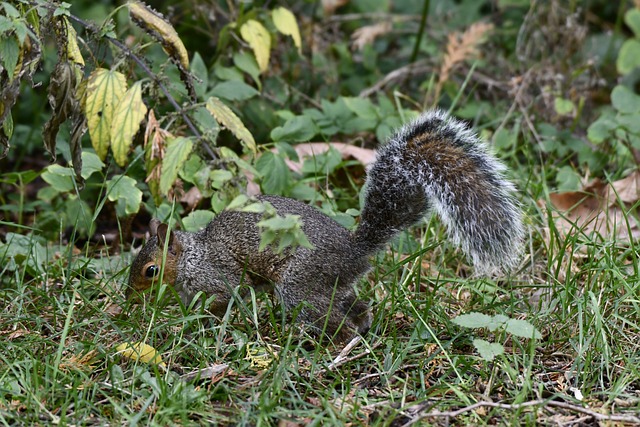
151,261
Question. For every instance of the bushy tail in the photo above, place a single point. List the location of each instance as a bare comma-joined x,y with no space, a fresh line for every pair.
437,163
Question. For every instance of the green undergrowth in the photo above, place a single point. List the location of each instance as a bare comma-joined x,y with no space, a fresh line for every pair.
552,86
59,361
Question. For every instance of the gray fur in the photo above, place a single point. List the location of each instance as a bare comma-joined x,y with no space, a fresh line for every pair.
434,163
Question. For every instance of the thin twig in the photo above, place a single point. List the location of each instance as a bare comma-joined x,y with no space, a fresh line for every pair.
91,27
413,68
551,403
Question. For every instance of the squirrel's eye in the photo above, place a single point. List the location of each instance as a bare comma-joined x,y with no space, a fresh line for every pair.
152,271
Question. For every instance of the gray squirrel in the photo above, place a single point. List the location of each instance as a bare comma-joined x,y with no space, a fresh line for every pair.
433,164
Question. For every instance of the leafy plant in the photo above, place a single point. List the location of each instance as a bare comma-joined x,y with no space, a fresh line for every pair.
488,351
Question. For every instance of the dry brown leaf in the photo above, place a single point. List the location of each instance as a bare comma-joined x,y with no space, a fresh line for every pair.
602,208
365,156
192,198
12,335
367,34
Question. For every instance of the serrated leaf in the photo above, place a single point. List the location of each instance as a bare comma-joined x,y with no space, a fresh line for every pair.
276,176
234,90
259,39
296,129
473,320
124,188
126,122
104,90
159,28
140,351
226,117
178,150
488,351
199,70
286,23
523,329
9,55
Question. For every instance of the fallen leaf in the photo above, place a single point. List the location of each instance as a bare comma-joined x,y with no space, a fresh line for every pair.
607,209
140,351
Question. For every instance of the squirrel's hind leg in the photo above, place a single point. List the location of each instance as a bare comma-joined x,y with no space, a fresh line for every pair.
339,315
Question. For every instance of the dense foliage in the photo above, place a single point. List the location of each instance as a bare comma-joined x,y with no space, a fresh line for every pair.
111,114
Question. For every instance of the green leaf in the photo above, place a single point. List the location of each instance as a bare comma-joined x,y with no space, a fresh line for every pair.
259,39
297,129
488,351
276,177
126,122
632,19
197,220
104,90
199,70
473,320
9,52
247,63
362,107
124,188
178,150
625,100
286,23
601,129
59,177
497,321
563,107
234,90
226,117
628,56
91,163
523,329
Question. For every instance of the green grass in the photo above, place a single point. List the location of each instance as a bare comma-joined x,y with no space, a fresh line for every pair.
59,363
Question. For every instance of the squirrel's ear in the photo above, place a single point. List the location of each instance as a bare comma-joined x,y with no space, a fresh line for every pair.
163,234
153,226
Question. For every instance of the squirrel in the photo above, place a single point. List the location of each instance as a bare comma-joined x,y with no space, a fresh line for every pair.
433,164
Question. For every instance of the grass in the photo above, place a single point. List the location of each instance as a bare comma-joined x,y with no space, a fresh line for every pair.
59,364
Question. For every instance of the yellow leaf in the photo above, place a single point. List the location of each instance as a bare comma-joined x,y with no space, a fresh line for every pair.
104,90
126,122
260,356
140,351
155,25
73,50
286,23
226,117
259,39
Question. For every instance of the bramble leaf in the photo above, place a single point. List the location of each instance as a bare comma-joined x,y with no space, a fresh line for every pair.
126,122
104,90
227,118
259,39
178,150
286,23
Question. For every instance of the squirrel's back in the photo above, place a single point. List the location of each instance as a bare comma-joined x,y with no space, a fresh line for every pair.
437,163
